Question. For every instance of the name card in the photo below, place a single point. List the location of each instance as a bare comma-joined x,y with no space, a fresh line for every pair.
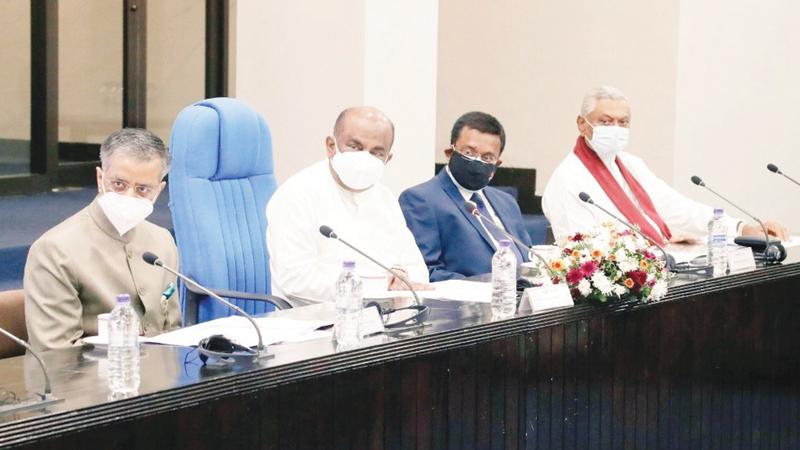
548,296
741,259
371,321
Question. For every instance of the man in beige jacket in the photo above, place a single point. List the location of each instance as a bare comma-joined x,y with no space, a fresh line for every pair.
76,269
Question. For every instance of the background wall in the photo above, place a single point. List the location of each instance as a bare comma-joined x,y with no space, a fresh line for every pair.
738,104
529,64
15,88
300,63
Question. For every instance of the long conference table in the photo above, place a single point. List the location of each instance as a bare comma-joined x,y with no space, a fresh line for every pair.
715,364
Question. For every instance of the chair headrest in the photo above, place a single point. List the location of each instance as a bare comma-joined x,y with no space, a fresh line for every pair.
222,138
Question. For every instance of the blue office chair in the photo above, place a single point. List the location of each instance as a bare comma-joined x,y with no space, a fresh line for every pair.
220,182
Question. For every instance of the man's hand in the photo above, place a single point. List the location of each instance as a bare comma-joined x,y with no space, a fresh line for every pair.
773,228
683,239
395,284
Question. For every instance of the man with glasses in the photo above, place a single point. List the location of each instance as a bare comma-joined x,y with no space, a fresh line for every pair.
454,242
342,191
622,183
76,269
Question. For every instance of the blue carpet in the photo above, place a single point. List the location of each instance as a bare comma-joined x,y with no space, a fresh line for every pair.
27,217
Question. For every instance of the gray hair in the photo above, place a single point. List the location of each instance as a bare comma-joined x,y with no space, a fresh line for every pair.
600,93
137,143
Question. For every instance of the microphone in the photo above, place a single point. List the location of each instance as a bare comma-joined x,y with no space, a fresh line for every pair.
669,259
153,260
45,398
774,169
472,208
423,309
772,253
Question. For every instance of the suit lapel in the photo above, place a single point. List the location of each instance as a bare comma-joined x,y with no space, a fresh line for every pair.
505,213
455,195
499,209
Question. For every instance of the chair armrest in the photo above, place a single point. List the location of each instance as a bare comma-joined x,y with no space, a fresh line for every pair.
276,301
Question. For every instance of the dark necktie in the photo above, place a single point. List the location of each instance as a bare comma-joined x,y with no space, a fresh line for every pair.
493,231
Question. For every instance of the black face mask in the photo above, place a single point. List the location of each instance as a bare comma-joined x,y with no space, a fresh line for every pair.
471,174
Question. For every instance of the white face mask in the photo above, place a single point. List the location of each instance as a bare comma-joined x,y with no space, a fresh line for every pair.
124,212
357,170
608,141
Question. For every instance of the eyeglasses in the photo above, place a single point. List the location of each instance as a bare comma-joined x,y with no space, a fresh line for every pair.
121,187
486,158
608,122
378,153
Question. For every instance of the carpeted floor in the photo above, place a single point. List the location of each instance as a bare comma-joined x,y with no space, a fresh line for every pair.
24,218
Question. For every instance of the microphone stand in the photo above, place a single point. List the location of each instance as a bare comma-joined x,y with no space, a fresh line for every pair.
44,399
393,272
472,208
423,310
669,260
776,170
770,256
261,350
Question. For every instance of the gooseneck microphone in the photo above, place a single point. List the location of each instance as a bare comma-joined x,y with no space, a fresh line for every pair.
329,233
45,398
669,259
774,169
772,252
472,208
152,259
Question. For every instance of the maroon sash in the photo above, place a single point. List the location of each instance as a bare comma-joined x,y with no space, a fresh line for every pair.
618,196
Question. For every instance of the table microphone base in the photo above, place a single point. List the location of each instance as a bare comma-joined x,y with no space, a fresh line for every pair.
30,405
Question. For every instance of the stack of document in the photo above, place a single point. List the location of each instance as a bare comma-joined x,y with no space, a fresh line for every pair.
240,330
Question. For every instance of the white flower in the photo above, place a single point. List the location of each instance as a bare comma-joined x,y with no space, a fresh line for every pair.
584,287
620,290
659,290
602,283
628,265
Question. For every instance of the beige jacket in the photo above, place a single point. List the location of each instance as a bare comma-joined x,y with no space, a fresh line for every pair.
76,269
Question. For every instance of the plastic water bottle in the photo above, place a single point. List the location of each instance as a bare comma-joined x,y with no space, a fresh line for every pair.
718,243
504,281
123,348
349,298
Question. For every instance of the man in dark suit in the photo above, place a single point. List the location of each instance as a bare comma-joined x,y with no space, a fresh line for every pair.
455,243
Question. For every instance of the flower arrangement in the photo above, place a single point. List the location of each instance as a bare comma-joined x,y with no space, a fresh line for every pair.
609,265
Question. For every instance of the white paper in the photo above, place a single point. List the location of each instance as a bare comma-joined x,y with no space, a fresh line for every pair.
793,241
460,290
240,330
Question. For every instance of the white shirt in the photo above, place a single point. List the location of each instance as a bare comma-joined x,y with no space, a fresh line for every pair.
467,195
304,264
568,214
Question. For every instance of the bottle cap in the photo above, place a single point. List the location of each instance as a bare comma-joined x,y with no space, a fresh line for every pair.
349,264
123,298
504,243
718,212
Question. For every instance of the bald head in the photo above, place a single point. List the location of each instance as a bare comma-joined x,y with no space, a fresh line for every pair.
365,116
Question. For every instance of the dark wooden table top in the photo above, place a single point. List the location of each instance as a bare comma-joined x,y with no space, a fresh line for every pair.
173,377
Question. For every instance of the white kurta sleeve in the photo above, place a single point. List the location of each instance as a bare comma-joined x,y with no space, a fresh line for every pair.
683,215
562,207
296,269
